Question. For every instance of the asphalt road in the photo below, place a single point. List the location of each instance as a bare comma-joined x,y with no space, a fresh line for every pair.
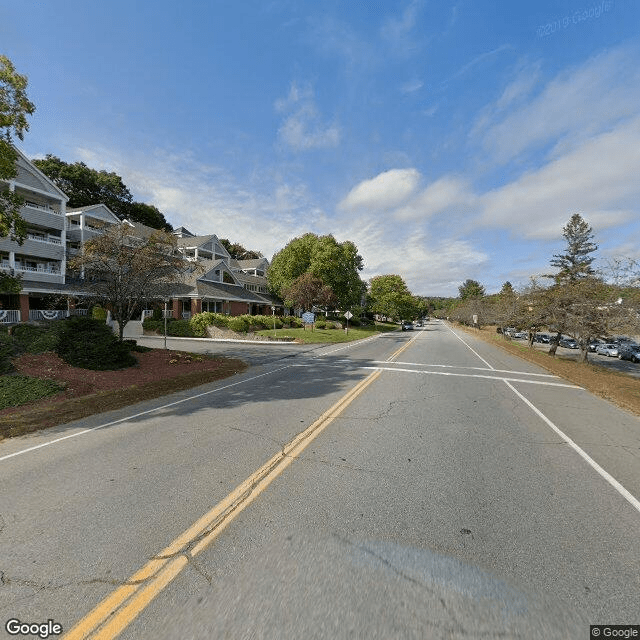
441,488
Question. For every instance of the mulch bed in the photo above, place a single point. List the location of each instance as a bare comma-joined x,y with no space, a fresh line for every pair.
158,372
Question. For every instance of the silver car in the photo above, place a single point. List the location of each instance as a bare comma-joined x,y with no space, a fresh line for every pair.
607,350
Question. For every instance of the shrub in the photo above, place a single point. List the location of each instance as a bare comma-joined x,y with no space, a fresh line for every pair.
37,339
90,344
180,329
199,323
98,313
239,324
293,322
321,324
8,349
154,325
157,314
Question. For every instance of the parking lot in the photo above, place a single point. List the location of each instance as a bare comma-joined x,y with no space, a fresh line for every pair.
624,366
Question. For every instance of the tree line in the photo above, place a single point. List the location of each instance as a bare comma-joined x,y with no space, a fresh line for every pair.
574,300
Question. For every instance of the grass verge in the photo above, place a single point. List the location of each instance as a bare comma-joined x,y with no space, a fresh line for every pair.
619,388
30,418
319,336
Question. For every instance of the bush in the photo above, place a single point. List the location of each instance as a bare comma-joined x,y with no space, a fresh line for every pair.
153,325
90,344
321,324
8,350
239,324
37,339
180,329
98,313
157,315
199,323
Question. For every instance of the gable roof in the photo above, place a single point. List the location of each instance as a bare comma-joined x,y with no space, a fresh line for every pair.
99,210
40,181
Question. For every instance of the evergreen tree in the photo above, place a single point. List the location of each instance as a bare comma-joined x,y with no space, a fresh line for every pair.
575,263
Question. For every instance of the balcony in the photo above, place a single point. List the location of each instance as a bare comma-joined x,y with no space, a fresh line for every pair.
45,239
41,207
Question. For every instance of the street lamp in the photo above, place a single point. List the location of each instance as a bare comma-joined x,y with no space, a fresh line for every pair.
273,313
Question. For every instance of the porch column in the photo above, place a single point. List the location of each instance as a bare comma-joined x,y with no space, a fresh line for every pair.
24,307
196,306
177,309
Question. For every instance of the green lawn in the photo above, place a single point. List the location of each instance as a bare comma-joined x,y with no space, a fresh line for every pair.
329,335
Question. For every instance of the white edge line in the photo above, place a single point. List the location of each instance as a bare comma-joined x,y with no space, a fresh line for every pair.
585,456
469,347
137,415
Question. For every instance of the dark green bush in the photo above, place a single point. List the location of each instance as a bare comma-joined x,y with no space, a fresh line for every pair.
179,329
157,314
90,344
37,339
8,349
154,325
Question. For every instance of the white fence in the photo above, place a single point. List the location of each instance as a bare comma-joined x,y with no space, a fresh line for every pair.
147,313
47,314
9,316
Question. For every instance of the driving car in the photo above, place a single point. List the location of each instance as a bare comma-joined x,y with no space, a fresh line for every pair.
407,326
608,349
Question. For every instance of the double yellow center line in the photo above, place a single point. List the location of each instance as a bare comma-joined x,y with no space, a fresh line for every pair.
123,605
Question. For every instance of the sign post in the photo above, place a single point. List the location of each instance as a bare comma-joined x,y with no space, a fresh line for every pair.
348,316
273,313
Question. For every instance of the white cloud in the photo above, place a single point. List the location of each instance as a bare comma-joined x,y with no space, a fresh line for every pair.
412,86
386,191
575,105
442,195
397,30
303,128
599,179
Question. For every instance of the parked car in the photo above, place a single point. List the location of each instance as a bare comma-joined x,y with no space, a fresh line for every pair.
541,337
569,343
631,352
593,345
607,349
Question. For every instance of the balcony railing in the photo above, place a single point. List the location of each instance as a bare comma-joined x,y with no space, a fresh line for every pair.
47,240
9,316
52,270
47,314
41,207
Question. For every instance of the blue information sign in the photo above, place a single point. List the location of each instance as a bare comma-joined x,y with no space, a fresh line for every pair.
308,317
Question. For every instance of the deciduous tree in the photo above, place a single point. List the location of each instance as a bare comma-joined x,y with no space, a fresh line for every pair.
15,106
337,264
389,296
125,271
308,291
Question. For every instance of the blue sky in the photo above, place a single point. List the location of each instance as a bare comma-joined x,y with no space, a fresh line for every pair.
449,140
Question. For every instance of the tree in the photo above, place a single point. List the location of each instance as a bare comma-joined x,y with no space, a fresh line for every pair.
308,291
389,296
565,300
337,264
14,109
471,289
575,263
86,186
125,271
148,215
238,252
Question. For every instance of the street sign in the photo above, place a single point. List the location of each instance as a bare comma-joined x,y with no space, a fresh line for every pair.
308,318
348,315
